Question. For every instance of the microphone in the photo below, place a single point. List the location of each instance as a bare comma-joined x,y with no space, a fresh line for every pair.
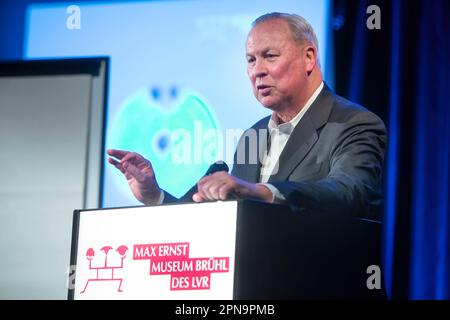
217,166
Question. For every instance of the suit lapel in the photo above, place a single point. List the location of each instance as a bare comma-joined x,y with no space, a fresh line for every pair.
304,135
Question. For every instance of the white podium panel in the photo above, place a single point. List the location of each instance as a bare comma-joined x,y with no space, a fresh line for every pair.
183,251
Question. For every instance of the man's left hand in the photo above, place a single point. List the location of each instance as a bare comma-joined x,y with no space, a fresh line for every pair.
223,186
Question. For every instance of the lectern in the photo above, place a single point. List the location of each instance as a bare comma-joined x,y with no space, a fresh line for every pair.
221,250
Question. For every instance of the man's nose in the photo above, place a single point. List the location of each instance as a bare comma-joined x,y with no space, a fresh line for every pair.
259,69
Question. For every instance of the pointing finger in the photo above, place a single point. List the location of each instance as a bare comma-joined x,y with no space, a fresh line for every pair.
119,154
133,157
116,164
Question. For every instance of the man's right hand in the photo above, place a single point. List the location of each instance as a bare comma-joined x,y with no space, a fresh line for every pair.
139,174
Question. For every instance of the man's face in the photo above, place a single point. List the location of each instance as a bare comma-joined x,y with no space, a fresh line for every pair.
275,65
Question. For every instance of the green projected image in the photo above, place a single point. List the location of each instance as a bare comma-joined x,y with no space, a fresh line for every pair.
175,129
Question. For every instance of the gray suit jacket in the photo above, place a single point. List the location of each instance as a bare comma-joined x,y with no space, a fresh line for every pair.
332,162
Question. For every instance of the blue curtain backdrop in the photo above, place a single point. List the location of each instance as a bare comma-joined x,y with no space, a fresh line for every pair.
402,73
430,261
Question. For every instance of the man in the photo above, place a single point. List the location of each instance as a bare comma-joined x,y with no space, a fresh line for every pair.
323,152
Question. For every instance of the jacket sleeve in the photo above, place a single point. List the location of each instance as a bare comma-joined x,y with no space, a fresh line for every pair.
353,185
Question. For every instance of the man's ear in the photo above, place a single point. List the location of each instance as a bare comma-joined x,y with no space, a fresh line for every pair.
310,54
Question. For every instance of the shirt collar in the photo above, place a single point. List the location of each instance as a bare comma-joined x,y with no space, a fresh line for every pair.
288,127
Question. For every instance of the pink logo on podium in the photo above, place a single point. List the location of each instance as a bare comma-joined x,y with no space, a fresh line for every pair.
105,272
173,259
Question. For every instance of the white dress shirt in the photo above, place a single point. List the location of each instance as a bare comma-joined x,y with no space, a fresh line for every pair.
279,136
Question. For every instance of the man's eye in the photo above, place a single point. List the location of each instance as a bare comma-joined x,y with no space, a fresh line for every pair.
250,60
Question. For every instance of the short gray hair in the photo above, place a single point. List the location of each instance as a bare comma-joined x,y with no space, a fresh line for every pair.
301,30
